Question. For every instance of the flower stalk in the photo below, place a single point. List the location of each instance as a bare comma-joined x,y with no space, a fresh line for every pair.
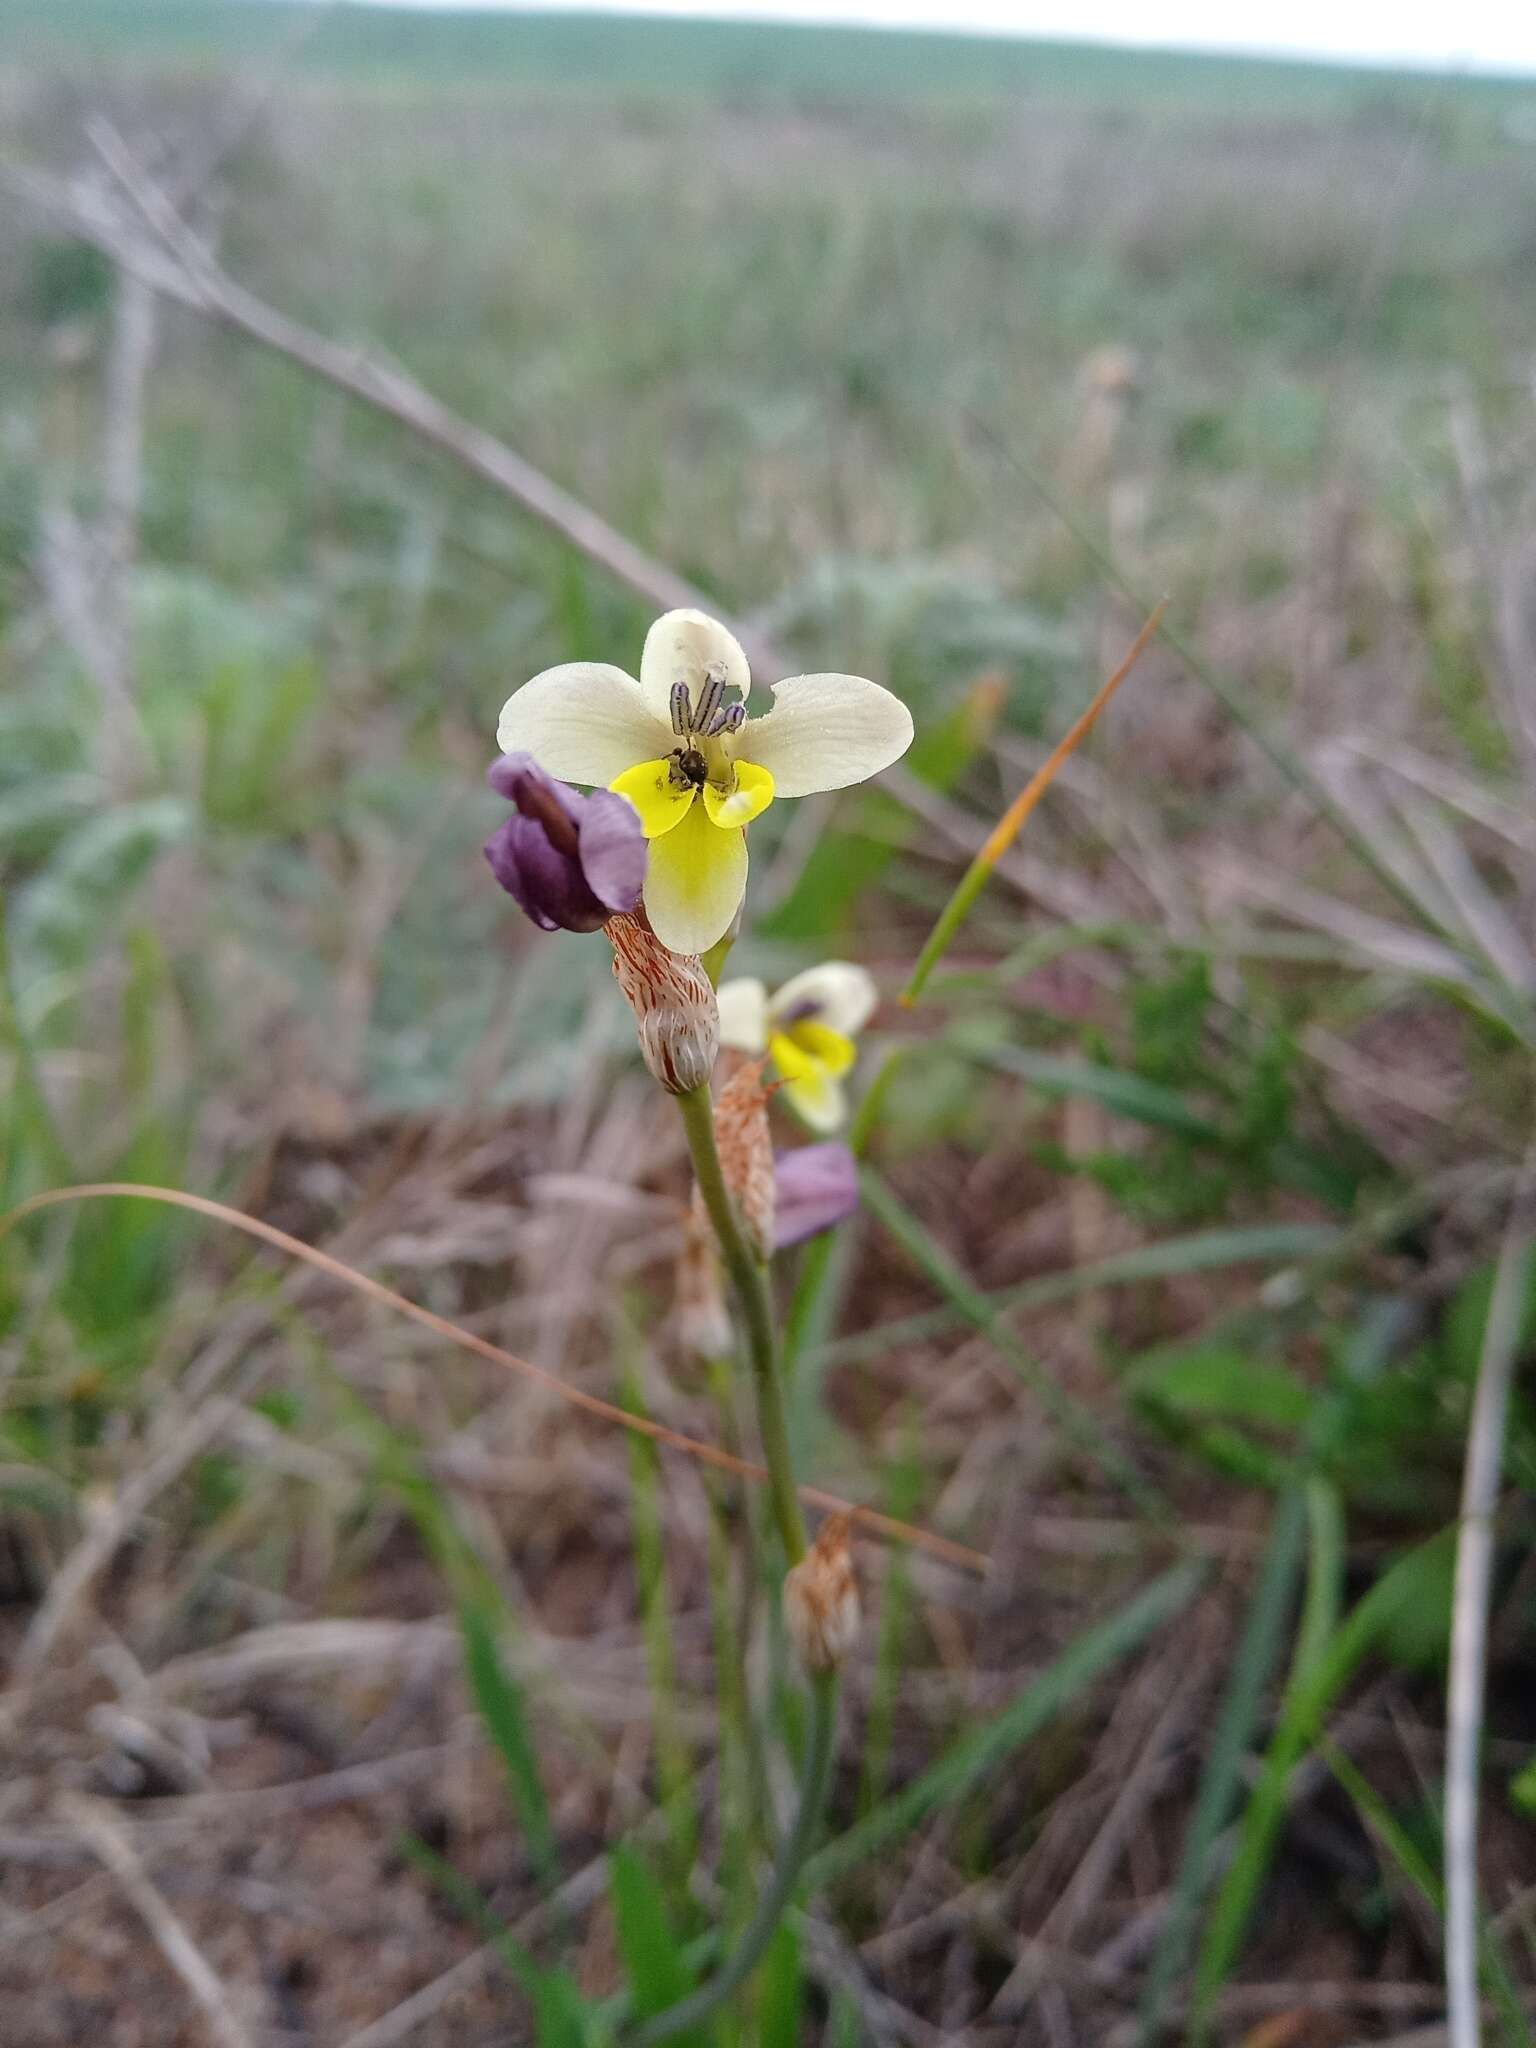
815,1777
749,1280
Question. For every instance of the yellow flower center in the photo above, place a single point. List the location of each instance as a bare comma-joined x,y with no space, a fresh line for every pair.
733,792
807,1048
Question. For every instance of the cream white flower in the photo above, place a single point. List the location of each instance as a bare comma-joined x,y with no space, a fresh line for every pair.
679,744
807,1029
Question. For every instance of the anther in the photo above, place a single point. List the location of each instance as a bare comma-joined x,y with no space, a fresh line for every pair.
730,718
711,696
682,716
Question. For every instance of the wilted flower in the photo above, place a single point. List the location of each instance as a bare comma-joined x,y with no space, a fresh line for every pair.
807,1029
679,744
815,1187
703,1319
821,1599
569,861
673,1001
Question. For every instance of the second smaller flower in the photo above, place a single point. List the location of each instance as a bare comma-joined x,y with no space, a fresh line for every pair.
807,1029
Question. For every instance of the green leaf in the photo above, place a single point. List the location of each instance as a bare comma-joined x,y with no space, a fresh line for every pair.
1220,1401
653,1957
1221,1379
1467,1316
500,1701
783,1994
561,2016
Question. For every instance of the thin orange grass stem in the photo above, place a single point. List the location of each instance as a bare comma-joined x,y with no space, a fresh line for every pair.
1011,823
202,1205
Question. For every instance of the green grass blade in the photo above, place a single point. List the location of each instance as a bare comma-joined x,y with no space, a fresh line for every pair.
1201,1251
1325,1575
1075,1420
1124,1094
1425,1878
967,1761
1258,1652
783,1994
654,1961
1281,756
1415,1578
674,1764
481,1614
499,1699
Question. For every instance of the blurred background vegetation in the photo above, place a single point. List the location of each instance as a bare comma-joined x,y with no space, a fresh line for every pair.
932,358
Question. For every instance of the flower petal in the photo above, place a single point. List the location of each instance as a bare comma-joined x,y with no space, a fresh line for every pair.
695,882
810,1083
545,883
744,1014
584,721
662,803
815,1186
825,732
748,800
612,850
836,992
502,851
818,1098
678,649
835,1052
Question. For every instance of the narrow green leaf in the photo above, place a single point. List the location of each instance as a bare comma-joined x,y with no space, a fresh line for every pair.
1303,1712
561,2016
1257,1653
783,1993
967,1761
1425,1877
653,1957
674,1762
500,1700
1199,1252
1075,1420
1125,1094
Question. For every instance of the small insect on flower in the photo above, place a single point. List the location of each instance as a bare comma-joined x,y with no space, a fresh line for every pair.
807,1029
680,746
568,861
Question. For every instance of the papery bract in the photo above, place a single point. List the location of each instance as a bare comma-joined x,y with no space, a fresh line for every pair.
676,1015
746,1153
821,1599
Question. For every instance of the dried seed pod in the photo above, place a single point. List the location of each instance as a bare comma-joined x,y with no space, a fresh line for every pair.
746,1152
703,1320
676,1014
821,1599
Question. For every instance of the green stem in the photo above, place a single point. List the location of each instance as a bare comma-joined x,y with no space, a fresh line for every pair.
759,1932
750,1282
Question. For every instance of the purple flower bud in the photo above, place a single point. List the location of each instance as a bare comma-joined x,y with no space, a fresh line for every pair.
815,1186
568,861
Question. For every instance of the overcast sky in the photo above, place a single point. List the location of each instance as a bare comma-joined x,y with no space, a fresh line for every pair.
1478,35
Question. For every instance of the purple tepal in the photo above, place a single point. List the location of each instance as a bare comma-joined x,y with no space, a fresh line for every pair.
814,1187
568,861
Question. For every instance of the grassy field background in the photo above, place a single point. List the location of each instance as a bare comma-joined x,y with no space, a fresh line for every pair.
938,359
